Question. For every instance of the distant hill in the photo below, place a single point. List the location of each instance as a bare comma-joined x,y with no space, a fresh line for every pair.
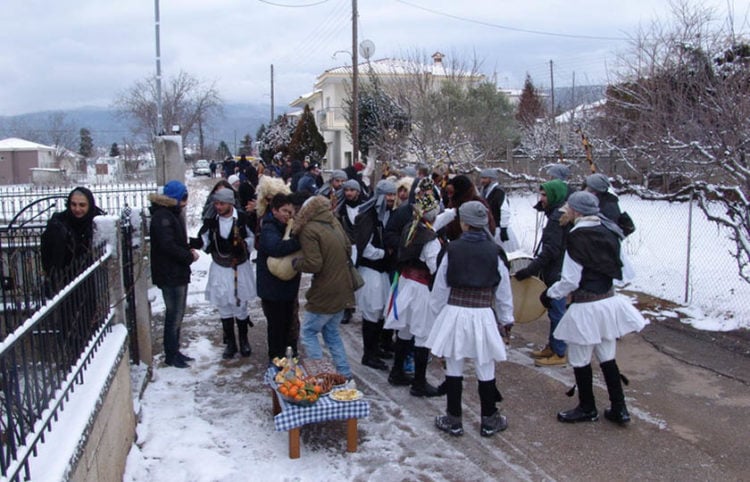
106,128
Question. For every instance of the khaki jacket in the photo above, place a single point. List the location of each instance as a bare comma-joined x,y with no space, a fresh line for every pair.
326,253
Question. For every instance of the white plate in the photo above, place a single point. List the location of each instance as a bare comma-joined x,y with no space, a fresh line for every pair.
334,395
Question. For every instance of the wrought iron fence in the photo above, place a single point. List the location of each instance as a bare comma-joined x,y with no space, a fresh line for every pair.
48,340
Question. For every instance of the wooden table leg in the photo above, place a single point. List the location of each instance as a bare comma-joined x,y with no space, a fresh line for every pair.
351,435
294,443
276,404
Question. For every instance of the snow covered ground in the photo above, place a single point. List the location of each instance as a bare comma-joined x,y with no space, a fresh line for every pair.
212,422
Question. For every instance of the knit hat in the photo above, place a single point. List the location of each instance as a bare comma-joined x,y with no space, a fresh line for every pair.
358,166
425,184
556,190
491,173
352,184
233,178
597,182
176,190
474,214
313,165
410,171
224,196
558,171
584,203
339,174
385,187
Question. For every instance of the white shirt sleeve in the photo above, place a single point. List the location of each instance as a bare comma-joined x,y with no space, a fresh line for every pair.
440,289
429,255
569,281
371,252
505,213
443,219
504,296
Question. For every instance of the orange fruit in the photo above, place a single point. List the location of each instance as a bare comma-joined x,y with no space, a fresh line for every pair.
317,389
283,390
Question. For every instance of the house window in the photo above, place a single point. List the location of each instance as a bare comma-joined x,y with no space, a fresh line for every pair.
348,158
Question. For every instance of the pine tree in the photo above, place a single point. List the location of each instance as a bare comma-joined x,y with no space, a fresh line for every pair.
114,151
246,146
222,152
307,140
530,106
86,145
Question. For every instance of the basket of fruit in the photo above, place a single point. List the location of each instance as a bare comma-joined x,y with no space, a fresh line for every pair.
300,391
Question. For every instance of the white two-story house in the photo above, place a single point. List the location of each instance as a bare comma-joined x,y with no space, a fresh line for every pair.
328,100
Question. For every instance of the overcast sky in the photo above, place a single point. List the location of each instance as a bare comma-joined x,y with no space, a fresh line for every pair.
65,54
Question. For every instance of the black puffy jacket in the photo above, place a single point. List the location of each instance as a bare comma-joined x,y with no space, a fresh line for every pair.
170,254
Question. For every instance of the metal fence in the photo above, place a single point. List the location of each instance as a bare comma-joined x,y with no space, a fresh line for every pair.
38,203
48,339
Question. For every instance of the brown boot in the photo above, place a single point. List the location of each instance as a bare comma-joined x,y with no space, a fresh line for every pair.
545,352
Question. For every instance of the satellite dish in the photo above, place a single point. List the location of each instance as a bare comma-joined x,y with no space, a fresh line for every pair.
366,48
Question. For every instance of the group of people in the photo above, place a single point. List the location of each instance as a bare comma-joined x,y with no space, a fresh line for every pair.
437,279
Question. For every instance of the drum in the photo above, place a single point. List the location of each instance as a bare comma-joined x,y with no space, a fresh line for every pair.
526,304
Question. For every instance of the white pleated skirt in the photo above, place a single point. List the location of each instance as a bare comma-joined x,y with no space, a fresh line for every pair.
607,319
220,284
411,307
460,332
373,296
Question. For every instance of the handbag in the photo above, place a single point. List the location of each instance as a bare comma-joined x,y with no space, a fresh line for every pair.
357,280
282,267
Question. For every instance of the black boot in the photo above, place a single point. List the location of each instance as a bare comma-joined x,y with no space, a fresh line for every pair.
492,420
231,348
370,346
420,387
242,326
397,377
385,341
451,421
586,409
348,312
618,412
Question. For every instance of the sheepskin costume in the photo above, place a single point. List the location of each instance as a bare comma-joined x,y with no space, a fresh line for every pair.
268,187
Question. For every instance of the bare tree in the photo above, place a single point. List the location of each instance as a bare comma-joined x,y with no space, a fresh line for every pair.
186,102
680,107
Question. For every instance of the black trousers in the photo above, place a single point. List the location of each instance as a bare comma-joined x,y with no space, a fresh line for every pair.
280,315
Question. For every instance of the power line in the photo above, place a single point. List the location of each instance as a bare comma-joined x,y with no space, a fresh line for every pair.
513,29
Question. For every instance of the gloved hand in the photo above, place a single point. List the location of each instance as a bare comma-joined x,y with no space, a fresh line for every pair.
504,234
545,300
522,274
195,243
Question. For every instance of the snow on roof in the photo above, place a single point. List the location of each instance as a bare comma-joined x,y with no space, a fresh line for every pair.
583,110
390,66
16,144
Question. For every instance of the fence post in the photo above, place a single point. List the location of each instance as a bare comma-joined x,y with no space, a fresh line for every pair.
689,239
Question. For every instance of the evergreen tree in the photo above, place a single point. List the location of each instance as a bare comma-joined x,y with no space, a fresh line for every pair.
246,146
114,151
307,140
530,106
275,140
86,145
222,152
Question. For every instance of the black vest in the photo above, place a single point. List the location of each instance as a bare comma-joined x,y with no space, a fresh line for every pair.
472,264
231,251
409,255
597,249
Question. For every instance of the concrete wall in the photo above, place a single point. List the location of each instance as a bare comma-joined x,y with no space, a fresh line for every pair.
104,449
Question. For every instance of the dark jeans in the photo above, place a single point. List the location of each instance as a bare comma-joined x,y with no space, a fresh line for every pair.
175,301
280,318
555,313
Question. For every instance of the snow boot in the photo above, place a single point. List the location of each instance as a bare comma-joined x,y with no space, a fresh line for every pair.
398,377
370,346
420,387
492,421
451,421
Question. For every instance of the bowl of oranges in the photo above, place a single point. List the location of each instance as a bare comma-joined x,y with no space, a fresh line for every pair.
300,391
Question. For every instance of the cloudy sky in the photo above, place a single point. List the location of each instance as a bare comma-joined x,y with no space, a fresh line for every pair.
66,54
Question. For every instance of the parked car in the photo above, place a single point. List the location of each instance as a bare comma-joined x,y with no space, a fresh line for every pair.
202,168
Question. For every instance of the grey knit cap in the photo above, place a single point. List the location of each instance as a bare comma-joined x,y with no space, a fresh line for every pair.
385,187
598,182
558,171
473,213
584,203
224,195
352,184
339,174
410,171
491,173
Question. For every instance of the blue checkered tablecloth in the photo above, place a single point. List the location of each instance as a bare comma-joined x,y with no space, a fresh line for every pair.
293,416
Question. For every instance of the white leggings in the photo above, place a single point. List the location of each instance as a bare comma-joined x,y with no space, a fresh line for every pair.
455,368
231,310
580,355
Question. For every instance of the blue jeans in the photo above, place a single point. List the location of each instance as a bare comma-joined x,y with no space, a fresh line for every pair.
175,301
555,313
327,325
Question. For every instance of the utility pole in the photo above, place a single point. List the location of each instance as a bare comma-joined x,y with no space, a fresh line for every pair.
355,86
159,119
271,122
552,90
